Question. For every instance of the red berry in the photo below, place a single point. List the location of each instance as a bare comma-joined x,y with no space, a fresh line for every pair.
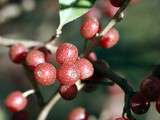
109,39
89,28
117,3
68,74
16,102
92,56
85,67
78,114
18,53
150,88
45,74
68,92
139,104
158,104
66,53
35,57
109,9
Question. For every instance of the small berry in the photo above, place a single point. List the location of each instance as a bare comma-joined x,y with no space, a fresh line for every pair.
117,3
158,104
139,104
35,57
68,74
89,28
45,74
85,67
68,92
66,53
109,39
17,53
16,102
92,57
150,88
78,113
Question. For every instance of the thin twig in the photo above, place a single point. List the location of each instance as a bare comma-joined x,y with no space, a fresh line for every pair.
7,42
46,110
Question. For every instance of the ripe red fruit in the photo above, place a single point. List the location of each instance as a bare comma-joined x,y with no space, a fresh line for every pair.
150,88
109,39
45,74
16,102
35,57
18,53
68,74
68,92
158,104
66,53
78,114
117,3
92,56
85,67
139,104
89,28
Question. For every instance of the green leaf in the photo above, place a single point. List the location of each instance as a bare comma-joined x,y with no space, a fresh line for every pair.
73,9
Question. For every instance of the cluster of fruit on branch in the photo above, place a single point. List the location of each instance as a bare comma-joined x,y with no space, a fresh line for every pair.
72,68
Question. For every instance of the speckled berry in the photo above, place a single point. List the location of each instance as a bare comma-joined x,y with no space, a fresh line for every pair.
68,74
17,53
45,74
66,53
109,39
35,57
89,28
85,67
68,92
78,113
15,101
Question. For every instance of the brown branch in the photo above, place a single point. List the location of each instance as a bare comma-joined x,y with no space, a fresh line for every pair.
7,42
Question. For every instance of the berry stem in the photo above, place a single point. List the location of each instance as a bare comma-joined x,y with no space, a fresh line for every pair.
52,102
28,92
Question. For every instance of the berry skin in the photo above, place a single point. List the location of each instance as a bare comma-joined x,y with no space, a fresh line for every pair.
117,3
139,104
45,74
68,92
18,53
16,102
158,104
35,57
78,114
150,88
68,74
89,28
85,67
109,39
66,53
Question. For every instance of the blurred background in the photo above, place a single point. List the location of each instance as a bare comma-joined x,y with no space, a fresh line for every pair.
133,58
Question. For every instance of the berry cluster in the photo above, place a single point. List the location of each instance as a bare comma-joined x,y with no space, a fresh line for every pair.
149,92
72,68
91,26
